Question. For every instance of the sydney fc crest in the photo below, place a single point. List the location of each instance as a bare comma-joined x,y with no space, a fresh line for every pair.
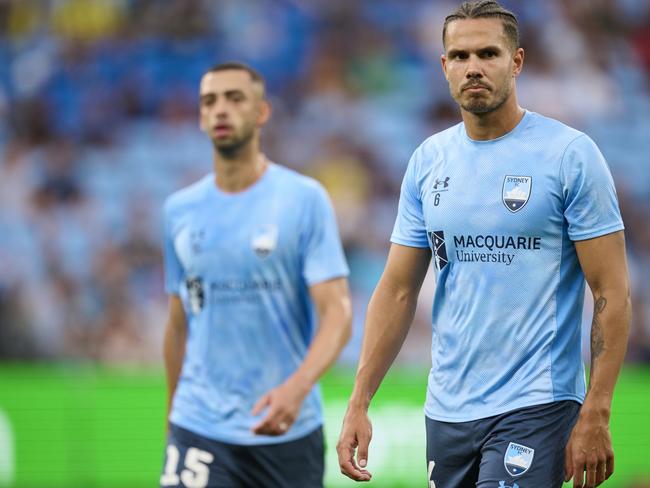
518,459
265,240
516,191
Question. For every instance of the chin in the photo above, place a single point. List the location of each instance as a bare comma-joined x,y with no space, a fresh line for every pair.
224,143
481,106
477,108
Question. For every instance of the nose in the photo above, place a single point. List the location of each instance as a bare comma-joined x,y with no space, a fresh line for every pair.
474,70
220,109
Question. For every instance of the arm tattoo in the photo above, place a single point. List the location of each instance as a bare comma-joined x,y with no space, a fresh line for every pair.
597,338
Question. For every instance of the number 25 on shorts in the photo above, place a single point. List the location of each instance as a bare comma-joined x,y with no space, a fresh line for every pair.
196,472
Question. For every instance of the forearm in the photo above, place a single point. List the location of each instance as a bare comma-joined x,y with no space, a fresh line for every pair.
334,330
609,337
173,354
388,319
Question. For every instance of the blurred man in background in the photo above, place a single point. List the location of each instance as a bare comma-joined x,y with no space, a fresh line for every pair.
517,209
249,250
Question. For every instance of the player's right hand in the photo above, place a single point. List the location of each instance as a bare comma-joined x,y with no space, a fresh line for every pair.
355,435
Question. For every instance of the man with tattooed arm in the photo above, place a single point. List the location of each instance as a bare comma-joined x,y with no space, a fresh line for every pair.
517,210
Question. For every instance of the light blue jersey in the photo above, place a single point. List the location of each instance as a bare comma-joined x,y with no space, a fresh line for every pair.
500,217
242,264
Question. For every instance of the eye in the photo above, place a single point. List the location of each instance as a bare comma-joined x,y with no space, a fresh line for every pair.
490,54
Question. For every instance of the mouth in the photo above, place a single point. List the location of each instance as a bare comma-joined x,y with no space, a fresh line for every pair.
475,88
222,130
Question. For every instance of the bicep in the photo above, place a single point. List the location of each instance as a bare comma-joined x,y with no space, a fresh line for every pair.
176,319
603,261
331,292
406,267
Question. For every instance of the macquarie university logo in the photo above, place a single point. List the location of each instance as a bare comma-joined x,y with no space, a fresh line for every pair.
439,249
518,459
265,240
196,294
516,191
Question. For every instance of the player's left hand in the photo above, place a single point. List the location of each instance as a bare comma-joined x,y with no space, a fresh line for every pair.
589,457
283,404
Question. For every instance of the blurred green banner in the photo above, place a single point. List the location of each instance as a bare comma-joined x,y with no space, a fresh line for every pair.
95,427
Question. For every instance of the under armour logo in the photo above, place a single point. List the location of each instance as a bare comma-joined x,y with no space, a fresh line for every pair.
444,183
196,238
502,484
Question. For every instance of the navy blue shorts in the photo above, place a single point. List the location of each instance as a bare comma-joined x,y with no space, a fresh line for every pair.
519,449
193,461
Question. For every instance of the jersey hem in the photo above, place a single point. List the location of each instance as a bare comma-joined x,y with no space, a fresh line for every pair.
501,411
256,441
326,277
582,236
405,242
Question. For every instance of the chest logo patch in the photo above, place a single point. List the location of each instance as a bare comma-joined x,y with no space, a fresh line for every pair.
197,237
517,459
195,293
516,191
441,184
439,249
265,240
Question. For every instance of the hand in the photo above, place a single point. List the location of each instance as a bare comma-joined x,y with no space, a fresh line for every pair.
283,404
589,449
355,433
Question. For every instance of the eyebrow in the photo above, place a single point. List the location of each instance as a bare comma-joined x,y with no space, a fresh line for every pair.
235,91
456,52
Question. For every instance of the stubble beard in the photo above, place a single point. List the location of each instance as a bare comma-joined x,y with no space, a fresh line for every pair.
230,149
482,106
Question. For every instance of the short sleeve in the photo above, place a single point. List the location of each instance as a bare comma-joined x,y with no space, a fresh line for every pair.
172,265
590,202
323,257
410,229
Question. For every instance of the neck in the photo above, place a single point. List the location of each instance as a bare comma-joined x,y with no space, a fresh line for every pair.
491,125
238,170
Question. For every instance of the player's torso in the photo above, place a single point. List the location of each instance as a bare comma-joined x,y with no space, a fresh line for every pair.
243,291
494,215
234,253
497,206
245,300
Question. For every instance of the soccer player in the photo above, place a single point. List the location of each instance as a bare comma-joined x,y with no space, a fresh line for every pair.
517,210
253,262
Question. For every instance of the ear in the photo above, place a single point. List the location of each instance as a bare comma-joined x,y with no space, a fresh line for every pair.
443,62
518,62
264,113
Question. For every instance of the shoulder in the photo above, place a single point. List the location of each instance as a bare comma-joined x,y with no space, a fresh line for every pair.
556,134
188,196
435,147
294,183
570,142
439,141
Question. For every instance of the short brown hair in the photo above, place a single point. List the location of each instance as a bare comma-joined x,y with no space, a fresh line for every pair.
486,9
236,65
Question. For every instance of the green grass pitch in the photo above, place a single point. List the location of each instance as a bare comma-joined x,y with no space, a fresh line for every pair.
92,427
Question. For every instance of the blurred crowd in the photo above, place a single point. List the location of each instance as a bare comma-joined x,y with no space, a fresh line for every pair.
98,124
